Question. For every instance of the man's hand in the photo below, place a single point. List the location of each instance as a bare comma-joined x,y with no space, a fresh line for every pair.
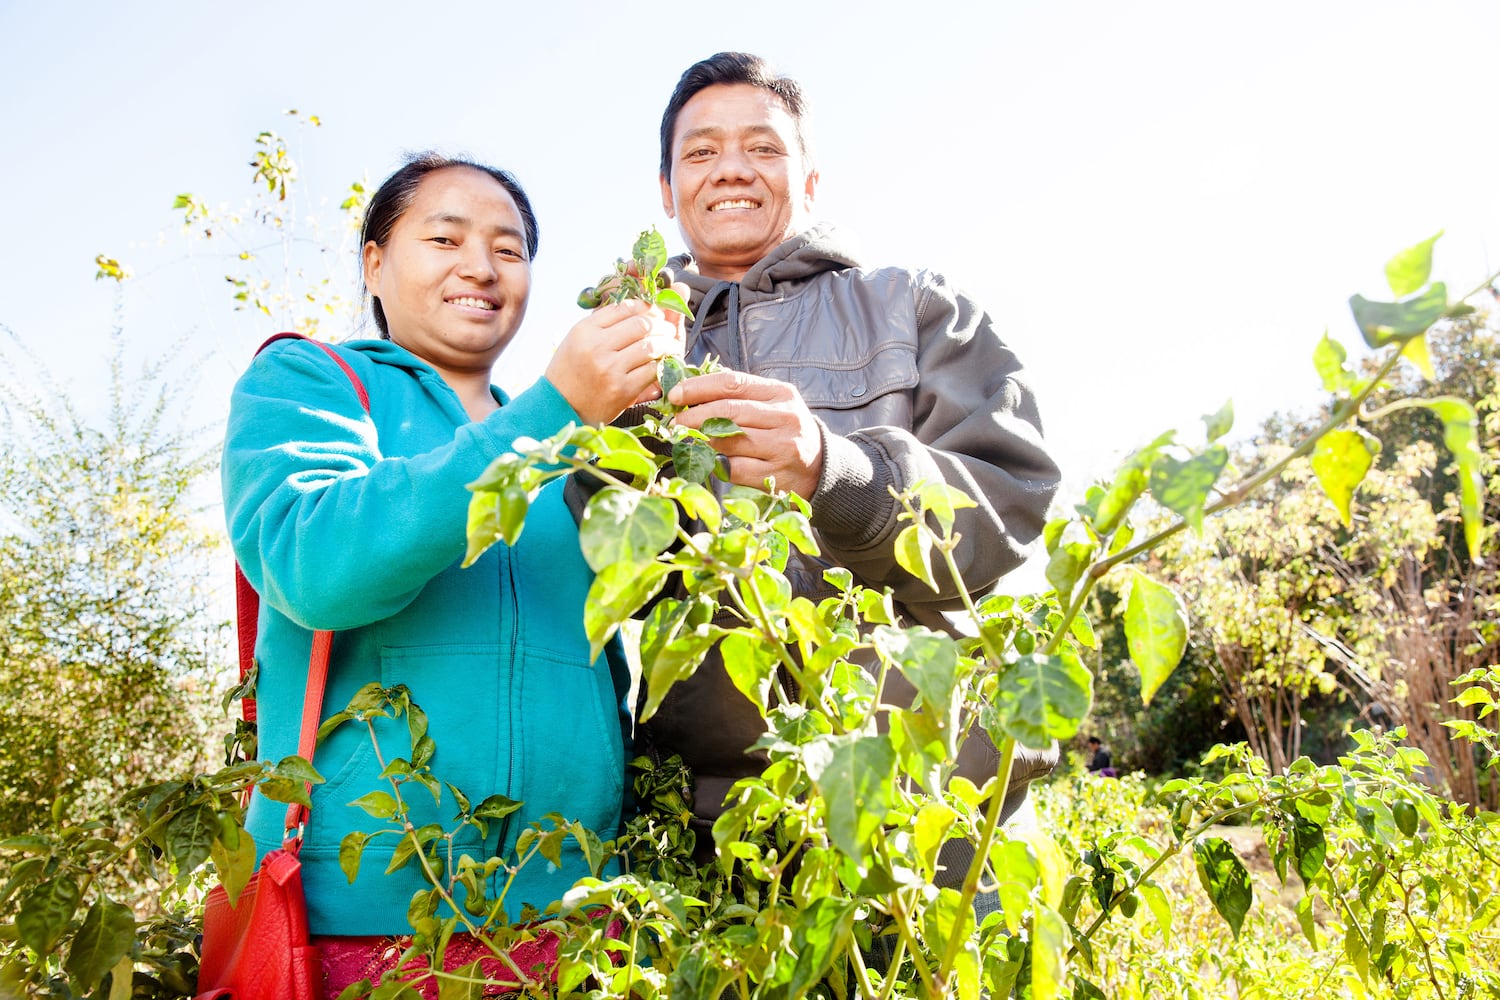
781,439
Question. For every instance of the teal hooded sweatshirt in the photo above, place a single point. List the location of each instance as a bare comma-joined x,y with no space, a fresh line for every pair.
355,523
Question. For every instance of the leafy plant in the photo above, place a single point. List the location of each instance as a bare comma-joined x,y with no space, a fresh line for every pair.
644,276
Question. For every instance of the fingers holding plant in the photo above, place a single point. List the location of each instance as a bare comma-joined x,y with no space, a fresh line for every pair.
608,361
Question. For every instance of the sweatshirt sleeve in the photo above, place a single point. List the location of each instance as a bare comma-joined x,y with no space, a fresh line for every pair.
975,426
328,530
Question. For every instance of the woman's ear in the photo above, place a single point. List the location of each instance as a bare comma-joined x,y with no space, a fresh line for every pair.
370,260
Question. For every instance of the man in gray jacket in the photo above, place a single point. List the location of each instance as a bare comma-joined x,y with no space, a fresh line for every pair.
847,381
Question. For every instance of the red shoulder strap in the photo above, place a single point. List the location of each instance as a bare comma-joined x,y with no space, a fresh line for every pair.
247,619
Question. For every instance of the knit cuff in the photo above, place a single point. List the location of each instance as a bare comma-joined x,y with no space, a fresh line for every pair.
852,505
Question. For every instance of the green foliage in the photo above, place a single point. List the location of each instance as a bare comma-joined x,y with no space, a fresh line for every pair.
108,641
821,881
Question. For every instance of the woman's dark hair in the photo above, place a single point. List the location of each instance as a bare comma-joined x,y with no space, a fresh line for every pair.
395,195
733,67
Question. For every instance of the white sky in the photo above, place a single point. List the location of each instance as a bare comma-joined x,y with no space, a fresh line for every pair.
1162,204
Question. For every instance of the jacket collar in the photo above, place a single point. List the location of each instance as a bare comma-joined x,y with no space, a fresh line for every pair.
809,253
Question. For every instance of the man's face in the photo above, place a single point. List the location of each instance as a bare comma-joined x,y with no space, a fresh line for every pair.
738,186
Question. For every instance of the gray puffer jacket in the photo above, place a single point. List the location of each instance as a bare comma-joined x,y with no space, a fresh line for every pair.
909,380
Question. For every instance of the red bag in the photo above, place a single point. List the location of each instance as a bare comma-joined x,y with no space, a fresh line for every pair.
258,948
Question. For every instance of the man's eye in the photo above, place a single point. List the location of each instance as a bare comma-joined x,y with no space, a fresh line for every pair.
511,253
443,241
698,154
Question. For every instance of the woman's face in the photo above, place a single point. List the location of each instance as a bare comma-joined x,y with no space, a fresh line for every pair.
454,276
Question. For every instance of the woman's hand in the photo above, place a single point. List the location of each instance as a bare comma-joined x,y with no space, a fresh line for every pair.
608,360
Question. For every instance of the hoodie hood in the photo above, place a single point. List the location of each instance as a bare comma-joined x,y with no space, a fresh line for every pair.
809,253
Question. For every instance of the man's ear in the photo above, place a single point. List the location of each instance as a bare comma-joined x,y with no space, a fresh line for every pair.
810,190
667,203
370,259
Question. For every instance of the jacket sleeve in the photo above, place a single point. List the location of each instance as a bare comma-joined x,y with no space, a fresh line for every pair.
975,426
328,530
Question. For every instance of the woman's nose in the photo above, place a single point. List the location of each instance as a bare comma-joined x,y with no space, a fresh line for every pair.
477,263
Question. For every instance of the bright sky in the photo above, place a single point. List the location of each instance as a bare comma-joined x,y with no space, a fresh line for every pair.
1163,204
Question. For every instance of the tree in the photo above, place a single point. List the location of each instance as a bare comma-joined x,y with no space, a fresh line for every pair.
110,644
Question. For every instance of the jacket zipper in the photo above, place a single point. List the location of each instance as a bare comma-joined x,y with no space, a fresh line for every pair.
508,572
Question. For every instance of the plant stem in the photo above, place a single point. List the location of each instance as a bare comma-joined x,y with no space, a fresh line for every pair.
981,853
1237,495
430,875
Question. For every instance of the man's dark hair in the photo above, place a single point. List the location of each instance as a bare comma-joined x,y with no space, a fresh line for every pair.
1095,739
733,67
395,196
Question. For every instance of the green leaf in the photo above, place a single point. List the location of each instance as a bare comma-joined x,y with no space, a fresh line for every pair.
234,864
44,913
637,465
1071,555
1225,880
496,807
822,930
1049,954
927,659
296,769
618,591
1129,483
942,502
794,526
190,837
669,299
495,516
751,666
855,777
697,501
1416,352
624,526
105,937
674,662
1218,424
1384,322
351,852
1328,360
1340,461
693,460
669,373
122,979
1461,435
1410,269
720,427
379,804
914,553
1156,630
650,253
1044,698
1183,487
1308,849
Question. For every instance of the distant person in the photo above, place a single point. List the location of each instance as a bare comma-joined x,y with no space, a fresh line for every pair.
848,381
354,521
1100,761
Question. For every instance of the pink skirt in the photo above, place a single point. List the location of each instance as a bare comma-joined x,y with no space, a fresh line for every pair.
347,960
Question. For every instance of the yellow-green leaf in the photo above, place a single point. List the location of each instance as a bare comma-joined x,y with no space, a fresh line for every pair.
1156,627
1410,269
1340,461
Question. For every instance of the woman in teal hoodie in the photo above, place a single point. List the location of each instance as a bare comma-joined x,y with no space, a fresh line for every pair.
355,522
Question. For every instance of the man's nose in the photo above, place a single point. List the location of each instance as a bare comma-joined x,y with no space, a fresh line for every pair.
733,165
